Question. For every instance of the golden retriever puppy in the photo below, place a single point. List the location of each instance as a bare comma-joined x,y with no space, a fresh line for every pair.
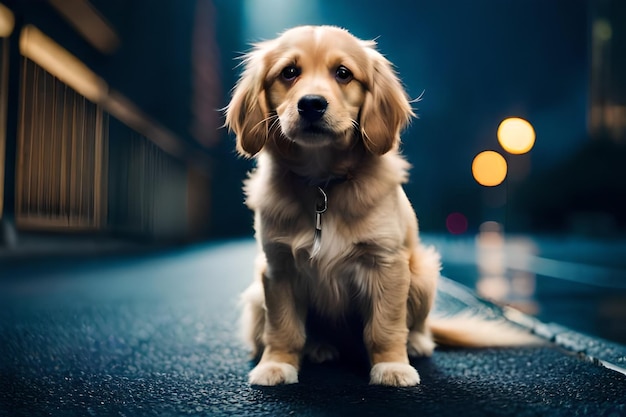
322,111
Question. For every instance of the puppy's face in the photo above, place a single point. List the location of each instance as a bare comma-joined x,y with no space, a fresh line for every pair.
317,86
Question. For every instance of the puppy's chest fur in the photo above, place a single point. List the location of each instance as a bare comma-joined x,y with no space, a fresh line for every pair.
358,236
339,275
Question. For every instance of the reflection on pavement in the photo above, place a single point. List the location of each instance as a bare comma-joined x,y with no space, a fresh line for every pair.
570,280
495,280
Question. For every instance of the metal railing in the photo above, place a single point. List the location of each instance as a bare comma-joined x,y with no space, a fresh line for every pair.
61,157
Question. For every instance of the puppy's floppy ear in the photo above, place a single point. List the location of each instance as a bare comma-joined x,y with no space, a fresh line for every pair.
247,113
386,110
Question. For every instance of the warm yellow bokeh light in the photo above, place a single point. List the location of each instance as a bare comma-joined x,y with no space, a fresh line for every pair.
489,168
516,135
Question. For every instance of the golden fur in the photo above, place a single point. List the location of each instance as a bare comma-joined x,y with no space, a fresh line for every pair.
370,260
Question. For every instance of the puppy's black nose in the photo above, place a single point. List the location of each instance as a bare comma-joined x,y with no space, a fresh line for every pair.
312,107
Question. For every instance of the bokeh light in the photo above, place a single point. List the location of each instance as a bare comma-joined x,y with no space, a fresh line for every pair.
456,223
516,135
489,168
602,30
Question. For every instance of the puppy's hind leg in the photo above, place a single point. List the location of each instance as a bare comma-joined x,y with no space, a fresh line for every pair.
425,267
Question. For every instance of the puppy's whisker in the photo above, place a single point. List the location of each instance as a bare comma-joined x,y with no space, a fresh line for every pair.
275,125
265,120
418,98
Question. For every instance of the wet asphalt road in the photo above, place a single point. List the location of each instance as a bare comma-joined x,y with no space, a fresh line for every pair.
155,335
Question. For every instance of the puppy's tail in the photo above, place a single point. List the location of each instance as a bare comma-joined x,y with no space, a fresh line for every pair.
467,330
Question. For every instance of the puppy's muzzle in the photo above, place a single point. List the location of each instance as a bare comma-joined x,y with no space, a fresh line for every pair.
312,107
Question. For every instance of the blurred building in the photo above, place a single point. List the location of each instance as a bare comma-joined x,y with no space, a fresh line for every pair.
77,154
607,92
583,194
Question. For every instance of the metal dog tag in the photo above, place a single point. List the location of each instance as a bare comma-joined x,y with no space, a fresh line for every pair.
321,205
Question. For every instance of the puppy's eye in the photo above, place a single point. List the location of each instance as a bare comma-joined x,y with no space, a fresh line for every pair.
290,73
343,75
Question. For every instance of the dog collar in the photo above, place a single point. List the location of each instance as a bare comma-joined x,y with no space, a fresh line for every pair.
321,203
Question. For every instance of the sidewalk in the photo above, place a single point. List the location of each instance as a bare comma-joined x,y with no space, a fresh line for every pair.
148,335
41,245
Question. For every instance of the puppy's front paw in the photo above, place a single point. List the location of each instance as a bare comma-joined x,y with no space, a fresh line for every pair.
394,374
273,373
420,344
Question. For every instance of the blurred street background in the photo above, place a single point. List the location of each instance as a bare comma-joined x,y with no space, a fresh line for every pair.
111,138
